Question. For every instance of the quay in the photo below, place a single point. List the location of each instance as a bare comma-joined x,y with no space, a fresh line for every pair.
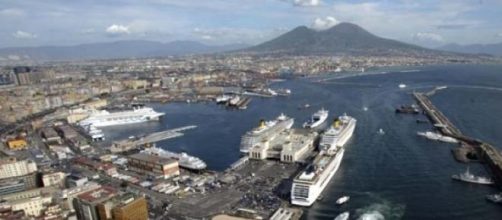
128,144
487,153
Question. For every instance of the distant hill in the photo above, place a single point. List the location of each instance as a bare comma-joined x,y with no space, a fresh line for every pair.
344,38
491,49
112,50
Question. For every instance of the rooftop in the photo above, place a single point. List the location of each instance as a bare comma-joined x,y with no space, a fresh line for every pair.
98,194
152,158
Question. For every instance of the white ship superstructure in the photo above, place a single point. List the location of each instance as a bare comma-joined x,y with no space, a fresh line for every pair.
104,118
265,131
184,160
317,119
339,133
310,183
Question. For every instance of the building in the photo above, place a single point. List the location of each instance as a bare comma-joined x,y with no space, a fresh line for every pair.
95,104
124,207
153,165
50,135
76,180
31,206
67,132
13,186
7,78
286,214
54,179
17,144
289,146
69,194
32,202
86,204
11,167
18,184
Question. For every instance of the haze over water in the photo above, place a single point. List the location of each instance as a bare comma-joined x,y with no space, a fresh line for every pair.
397,175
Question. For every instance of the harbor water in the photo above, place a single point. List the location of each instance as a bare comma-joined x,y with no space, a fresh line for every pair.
395,175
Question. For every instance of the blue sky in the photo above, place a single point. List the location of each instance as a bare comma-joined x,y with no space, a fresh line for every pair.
68,22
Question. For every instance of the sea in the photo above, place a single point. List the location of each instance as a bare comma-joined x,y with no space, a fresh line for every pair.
396,175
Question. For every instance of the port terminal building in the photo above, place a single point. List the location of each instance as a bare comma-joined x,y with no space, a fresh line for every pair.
289,146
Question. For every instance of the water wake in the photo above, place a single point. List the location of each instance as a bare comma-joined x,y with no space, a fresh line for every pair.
381,211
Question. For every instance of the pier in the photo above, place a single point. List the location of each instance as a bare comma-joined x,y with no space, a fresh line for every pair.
129,144
487,153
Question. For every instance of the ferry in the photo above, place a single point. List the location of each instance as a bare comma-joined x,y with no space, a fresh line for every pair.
317,119
104,118
186,161
266,130
437,137
309,184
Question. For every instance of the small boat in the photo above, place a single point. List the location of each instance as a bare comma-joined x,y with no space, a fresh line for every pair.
408,109
343,216
342,200
365,108
304,106
470,178
381,132
495,198
422,121
402,86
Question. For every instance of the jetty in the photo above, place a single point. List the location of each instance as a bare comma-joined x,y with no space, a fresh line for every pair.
486,153
131,143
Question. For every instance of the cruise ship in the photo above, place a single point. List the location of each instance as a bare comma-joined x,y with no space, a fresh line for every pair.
105,118
309,184
266,130
339,133
317,119
186,161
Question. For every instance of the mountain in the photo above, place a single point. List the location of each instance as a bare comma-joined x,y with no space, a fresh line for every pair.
112,50
492,49
344,38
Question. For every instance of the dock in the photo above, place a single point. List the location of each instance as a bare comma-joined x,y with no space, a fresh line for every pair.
128,144
487,153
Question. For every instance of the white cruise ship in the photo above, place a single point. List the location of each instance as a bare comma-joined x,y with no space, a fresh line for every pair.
104,118
339,133
310,183
186,161
317,119
265,131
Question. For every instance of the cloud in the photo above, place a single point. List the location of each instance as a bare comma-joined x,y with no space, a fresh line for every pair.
428,36
117,29
24,35
12,12
324,23
452,26
306,3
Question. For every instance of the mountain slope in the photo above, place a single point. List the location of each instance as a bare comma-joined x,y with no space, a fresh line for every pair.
344,38
492,49
112,50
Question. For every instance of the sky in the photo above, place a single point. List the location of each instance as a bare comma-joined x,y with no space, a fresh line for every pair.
428,23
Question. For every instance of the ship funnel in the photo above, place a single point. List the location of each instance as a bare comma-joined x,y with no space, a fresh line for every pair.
336,123
262,123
